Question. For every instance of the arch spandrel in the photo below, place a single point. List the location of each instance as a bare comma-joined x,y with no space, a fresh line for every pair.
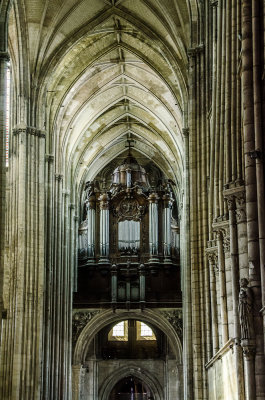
107,317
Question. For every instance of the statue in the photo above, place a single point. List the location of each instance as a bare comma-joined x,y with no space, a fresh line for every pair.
89,189
245,308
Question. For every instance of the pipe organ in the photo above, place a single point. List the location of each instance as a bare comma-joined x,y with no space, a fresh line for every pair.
128,241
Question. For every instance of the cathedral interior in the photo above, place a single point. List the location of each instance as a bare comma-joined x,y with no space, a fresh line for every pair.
132,200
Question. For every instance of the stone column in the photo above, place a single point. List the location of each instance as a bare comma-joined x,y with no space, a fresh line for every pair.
104,229
247,334
222,283
251,126
22,341
235,292
212,265
258,154
91,228
4,58
167,214
49,214
76,381
153,228
249,362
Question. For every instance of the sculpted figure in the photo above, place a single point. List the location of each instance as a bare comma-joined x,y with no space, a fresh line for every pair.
245,308
89,188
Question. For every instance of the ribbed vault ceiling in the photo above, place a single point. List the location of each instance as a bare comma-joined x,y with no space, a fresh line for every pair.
105,71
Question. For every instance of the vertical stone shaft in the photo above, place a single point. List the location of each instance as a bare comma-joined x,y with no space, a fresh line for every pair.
218,107
25,291
222,164
235,293
259,145
249,355
239,141
195,227
3,68
229,92
249,126
186,262
222,283
48,277
234,55
67,302
212,127
55,388
215,336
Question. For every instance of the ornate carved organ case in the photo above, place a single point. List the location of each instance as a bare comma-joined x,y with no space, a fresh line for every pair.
128,242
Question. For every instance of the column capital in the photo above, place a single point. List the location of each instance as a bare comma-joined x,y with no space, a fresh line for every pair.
212,257
28,130
231,204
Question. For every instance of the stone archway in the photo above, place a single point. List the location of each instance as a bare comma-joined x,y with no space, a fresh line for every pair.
103,389
133,370
107,317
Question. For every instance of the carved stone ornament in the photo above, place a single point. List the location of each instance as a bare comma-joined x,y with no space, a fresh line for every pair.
175,319
212,257
245,309
226,243
80,319
29,130
231,204
240,215
129,209
211,254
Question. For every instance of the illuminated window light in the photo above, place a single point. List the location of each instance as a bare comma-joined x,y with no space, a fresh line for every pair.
118,330
145,330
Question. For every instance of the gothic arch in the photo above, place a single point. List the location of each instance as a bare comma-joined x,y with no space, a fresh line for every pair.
134,370
108,317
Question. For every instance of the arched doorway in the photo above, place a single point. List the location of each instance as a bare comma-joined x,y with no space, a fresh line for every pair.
131,388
